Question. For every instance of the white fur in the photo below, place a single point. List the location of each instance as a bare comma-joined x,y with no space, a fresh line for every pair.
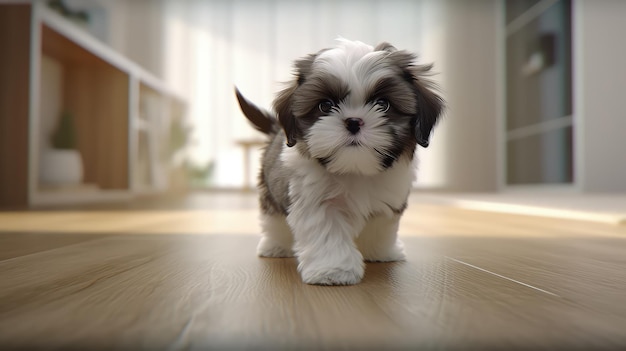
330,220
277,240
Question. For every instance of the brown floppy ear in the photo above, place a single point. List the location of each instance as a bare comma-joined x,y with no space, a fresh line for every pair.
282,106
284,99
429,103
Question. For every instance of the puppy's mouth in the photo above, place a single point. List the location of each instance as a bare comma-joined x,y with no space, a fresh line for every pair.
354,143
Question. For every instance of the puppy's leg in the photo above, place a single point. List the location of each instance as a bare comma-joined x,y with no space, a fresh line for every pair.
378,242
277,240
324,244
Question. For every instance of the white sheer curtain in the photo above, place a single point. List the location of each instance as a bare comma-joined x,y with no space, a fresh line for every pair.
211,46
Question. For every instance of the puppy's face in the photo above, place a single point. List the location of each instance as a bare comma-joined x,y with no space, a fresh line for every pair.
358,109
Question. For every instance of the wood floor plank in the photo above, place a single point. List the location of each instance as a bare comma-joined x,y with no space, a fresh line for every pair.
587,271
183,274
19,244
197,292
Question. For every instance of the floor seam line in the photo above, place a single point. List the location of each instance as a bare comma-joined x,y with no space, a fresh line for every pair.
502,276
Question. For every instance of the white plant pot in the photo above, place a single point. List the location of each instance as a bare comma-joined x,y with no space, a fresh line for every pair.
61,167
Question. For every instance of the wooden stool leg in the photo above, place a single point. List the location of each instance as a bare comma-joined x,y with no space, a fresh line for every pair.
246,168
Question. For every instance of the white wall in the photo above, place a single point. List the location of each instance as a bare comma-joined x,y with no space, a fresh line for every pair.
600,92
137,29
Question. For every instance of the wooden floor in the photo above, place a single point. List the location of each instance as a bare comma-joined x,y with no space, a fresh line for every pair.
182,274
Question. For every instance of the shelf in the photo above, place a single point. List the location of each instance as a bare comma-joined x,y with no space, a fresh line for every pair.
95,93
59,68
157,112
89,44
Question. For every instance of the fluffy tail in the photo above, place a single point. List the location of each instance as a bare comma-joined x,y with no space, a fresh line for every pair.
261,119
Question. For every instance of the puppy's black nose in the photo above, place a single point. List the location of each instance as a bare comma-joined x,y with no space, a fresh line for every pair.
353,124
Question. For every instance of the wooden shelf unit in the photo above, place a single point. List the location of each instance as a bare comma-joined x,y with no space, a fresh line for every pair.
105,92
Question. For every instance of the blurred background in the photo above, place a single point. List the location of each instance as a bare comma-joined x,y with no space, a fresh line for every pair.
119,117
110,99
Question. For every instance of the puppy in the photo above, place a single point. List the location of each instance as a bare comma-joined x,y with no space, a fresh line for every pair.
335,181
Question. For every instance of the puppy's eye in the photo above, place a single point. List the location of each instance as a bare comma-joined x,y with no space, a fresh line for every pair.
382,104
326,106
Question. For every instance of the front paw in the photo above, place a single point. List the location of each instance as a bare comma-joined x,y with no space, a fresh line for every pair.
272,248
391,254
333,276
339,274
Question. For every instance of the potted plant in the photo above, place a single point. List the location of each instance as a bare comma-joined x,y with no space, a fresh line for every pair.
62,164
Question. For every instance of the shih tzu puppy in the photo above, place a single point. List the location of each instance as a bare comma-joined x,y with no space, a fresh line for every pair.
335,180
